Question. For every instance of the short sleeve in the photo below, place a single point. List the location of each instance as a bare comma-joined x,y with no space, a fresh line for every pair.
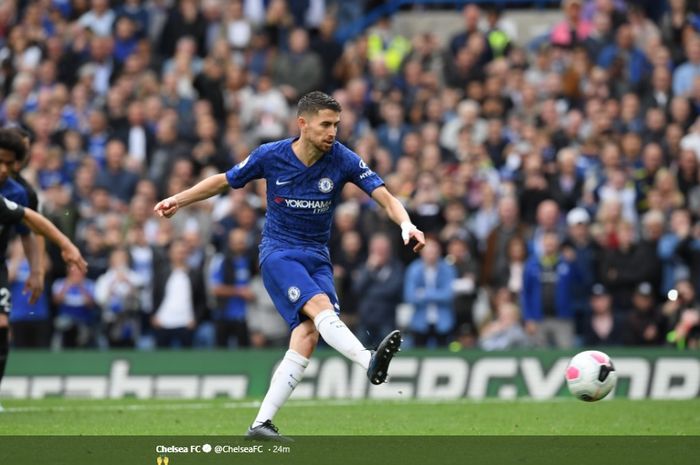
360,174
249,169
10,212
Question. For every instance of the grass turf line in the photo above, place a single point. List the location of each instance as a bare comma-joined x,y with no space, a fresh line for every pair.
462,417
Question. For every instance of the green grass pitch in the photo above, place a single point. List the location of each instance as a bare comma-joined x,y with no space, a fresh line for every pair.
434,418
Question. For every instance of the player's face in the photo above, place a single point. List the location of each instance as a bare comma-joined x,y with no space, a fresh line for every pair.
7,161
320,129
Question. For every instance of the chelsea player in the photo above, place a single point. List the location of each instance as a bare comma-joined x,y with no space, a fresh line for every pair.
305,176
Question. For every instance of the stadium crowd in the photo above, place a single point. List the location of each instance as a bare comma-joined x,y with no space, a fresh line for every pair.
558,181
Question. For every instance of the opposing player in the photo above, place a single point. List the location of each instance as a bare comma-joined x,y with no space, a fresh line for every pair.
12,147
14,143
12,213
305,176
36,281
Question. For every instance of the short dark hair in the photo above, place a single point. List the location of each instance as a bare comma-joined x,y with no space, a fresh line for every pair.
315,101
12,140
26,136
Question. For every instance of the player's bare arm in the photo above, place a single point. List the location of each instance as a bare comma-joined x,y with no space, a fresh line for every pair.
40,225
204,189
398,214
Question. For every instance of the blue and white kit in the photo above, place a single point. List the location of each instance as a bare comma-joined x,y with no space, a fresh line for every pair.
301,199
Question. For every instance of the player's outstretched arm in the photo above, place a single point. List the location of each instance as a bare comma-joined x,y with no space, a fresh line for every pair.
34,247
398,214
204,189
40,225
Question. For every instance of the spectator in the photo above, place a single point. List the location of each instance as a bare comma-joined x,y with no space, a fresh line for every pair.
391,134
574,29
426,206
511,276
685,74
177,299
471,15
136,136
77,317
378,285
546,296
386,47
328,49
116,179
681,311
462,257
644,326
659,92
238,29
428,286
547,222
496,255
99,18
624,60
587,256
498,40
184,20
138,13
567,187
117,292
603,327
623,268
600,35
299,70
348,260
268,111
230,283
506,332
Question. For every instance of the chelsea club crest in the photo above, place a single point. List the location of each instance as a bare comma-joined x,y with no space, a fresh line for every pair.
325,185
293,293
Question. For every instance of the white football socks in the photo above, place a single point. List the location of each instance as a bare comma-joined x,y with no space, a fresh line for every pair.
285,379
338,336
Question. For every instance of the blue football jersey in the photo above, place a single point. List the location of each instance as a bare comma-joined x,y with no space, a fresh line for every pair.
301,199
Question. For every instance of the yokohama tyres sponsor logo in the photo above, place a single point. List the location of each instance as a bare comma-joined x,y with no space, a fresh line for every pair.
316,206
294,203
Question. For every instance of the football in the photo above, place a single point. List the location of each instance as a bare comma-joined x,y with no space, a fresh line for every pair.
590,375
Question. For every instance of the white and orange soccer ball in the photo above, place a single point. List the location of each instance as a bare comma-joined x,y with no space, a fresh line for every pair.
591,375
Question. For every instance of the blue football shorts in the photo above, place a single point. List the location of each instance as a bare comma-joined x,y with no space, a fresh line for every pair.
293,276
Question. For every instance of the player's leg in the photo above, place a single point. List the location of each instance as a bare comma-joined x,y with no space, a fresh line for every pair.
288,283
289,372
338,336
322,309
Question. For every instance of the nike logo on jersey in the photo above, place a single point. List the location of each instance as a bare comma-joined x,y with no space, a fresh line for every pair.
282,183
